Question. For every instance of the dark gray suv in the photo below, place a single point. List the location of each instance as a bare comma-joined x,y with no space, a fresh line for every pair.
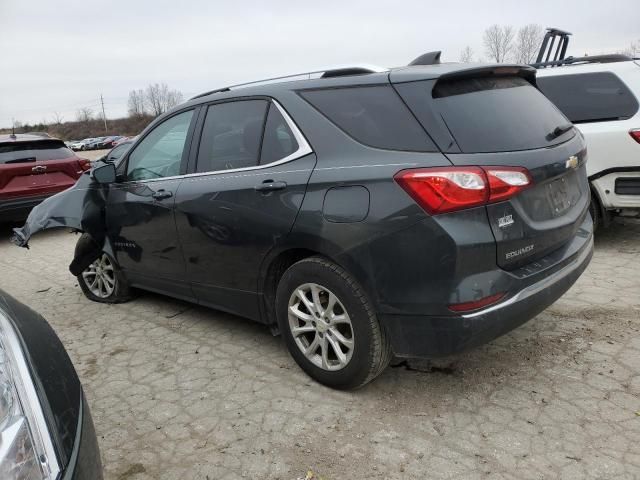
418,211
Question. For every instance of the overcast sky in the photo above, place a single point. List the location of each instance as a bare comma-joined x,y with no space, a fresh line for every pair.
60,55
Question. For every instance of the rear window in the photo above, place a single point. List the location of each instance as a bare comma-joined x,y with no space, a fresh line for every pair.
18,152
590,97
498,114
372,115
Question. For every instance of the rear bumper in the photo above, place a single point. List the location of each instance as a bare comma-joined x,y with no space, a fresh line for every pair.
18,208
618,190
435,336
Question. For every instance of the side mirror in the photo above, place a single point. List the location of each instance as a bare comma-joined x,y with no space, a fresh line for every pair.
104,174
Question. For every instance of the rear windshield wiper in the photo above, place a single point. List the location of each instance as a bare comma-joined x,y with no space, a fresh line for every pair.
22,160
560,130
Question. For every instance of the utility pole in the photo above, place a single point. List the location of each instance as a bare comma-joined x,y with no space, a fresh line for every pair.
104,116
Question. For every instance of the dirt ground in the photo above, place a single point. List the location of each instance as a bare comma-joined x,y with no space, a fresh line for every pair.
182,392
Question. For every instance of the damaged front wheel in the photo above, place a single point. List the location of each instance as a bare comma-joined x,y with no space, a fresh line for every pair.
102,281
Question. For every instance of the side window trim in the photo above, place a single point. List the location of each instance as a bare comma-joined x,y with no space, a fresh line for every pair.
188,147
303,146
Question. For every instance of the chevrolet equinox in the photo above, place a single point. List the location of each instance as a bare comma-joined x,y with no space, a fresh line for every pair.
362,213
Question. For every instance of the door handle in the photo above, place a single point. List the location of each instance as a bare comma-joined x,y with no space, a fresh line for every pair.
270,186
161,194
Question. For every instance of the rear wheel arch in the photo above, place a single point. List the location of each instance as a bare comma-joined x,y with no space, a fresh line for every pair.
275,266
272,273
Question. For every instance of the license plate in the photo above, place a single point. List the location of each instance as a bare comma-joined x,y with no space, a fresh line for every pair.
558,196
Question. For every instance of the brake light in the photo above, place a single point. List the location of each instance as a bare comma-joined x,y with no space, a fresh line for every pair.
476,304
84,164
447,189
635,134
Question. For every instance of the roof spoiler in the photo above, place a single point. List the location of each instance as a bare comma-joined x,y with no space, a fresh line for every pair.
502,70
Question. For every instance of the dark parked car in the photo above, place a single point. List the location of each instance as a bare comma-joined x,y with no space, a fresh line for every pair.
416,212
108,142
46,431
33,168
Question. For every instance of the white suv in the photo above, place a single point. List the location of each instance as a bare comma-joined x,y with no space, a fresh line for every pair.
601,98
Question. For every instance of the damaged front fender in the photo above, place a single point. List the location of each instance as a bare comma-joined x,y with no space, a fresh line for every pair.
80,207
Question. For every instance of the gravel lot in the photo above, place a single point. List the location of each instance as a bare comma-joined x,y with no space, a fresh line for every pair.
180,392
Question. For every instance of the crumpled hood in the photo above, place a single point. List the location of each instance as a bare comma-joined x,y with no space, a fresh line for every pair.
79,207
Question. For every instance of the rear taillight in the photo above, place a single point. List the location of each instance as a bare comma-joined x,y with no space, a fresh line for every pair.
447,189
84,164
635,134
505,182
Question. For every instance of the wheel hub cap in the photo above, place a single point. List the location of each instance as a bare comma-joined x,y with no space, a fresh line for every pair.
321,326
99,277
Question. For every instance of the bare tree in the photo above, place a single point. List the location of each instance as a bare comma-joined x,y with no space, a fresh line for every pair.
633,50
135,103
528,43
84,114
466,56
498,42
173,98
158,98
57,118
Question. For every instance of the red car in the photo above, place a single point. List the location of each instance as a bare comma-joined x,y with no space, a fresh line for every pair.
33,168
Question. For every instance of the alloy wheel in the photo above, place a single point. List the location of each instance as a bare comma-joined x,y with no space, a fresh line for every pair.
321,327
100,277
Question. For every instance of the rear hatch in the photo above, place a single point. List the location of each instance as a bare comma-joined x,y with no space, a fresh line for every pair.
496,117
37,167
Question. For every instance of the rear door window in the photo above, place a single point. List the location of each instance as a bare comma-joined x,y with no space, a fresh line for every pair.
39,150
231,135
278,141
372,115
497,114
590,97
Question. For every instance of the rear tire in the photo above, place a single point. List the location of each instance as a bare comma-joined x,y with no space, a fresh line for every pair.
329,325
103,282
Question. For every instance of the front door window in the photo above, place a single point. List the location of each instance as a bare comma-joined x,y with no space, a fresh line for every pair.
160,152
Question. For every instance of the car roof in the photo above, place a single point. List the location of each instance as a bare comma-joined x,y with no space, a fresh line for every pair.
396,75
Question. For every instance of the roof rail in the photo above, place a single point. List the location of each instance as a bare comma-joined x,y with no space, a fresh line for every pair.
559,58
429,58
610,58
324,73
